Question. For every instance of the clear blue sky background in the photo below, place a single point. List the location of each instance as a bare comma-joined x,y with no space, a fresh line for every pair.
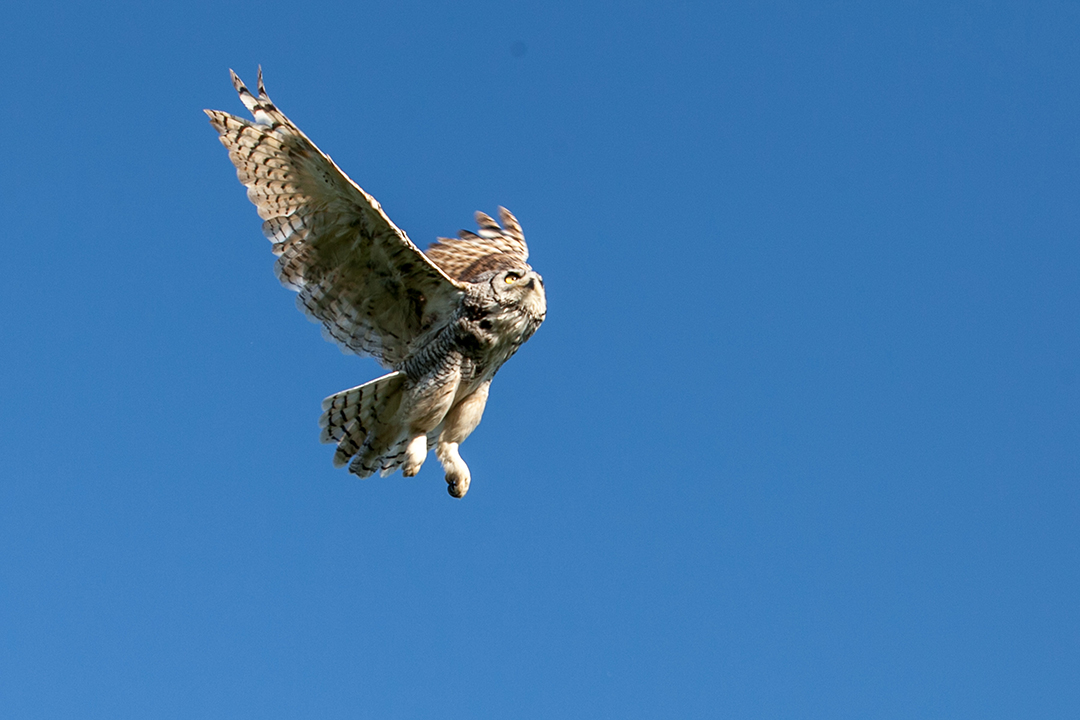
799,437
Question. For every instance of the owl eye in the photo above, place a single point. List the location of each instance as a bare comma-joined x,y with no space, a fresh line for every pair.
511,277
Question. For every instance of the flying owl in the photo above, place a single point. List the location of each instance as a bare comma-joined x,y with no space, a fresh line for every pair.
444,321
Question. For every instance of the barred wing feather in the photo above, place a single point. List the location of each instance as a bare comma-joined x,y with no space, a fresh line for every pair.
374,292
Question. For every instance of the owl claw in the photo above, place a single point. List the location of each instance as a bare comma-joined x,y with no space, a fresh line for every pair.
457,472
457,487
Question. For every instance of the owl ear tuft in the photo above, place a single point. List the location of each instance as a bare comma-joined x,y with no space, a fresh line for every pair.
511,226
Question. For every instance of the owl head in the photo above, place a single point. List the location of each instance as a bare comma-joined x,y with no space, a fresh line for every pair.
520,288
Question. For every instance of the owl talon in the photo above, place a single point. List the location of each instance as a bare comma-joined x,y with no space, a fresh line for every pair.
414,456
457,472
457,487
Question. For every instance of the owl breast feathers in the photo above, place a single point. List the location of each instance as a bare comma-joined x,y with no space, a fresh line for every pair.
443,321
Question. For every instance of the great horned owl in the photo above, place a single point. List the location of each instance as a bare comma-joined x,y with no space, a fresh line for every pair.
444,321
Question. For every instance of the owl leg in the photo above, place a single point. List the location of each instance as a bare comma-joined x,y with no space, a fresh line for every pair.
425,407
415,455
458,425
457,472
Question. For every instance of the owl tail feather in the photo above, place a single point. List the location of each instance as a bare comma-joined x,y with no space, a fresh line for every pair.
364,423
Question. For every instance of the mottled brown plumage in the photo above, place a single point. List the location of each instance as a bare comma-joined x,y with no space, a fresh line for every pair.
491,248
444,321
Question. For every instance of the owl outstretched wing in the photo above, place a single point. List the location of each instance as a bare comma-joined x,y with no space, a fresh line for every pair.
374,292
490,248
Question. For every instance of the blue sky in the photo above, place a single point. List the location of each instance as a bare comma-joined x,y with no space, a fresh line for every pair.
799,437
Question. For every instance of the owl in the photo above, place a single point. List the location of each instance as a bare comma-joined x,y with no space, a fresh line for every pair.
443,321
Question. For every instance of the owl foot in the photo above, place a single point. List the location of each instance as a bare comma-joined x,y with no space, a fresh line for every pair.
415,455
457,485
457,472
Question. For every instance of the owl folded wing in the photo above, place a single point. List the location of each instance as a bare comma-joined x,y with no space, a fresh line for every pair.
374,292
